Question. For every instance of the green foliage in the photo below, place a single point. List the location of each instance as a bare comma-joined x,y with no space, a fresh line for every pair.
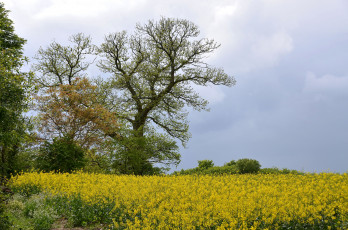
138,154
215,170
206,167
222,170
152,72
63,155
275,170
59,65
80,213
8,39
187,172
32,212
24,161
4,219
14,94
232,162
97,163
205,164
248,165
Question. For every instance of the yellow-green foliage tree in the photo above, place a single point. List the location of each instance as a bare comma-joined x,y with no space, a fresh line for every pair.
152,73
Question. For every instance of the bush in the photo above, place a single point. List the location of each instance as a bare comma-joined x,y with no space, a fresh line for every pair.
215,170
275,170
221,170
62,155
205,164
232,162
248,166
206,167
186,172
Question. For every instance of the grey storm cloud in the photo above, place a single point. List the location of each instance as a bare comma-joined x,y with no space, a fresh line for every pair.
289,107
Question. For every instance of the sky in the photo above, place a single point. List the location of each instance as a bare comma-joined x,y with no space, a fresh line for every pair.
289,108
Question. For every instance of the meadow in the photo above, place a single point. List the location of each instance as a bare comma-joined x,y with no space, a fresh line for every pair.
248,201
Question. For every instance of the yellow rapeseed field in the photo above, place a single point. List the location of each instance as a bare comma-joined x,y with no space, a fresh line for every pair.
205,202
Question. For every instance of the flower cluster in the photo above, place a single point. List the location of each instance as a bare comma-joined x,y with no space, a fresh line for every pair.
317,201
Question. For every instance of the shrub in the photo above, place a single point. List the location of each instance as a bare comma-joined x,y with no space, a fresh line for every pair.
205,164
232,162
248,165
62,155
186,171
275,170
215,170
221,170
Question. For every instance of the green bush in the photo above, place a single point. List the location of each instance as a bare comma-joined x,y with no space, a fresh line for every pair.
205,164
206,167
248,165
275,170
63,155
214,170
221,170
232,162
187,171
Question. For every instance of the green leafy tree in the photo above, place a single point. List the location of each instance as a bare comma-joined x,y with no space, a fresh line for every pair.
205,164
14,88
152,73
246,165
63,155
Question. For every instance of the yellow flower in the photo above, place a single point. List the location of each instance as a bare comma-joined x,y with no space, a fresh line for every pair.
187,202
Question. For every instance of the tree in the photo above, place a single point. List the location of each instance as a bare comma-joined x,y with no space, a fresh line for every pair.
69,104
74,111
205,164
62,155
59,65
246,165
152,72
14,88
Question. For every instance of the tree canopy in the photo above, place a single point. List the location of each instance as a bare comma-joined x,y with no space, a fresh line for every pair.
14,86
149,86
152,72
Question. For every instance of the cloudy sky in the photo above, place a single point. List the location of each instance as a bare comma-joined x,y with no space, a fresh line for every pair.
289,107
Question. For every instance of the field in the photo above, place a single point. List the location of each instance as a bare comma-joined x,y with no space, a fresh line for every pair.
310,201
